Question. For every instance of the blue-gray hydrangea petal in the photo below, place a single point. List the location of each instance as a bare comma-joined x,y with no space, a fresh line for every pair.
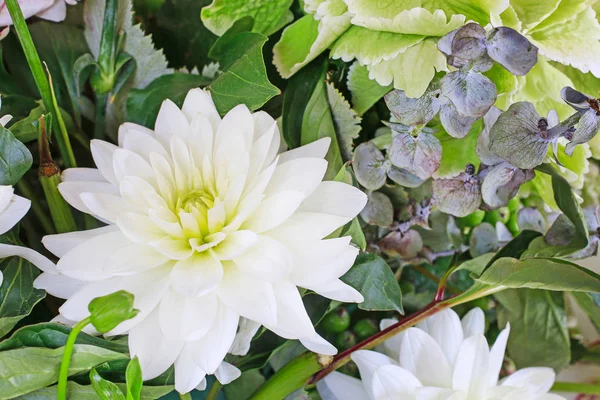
511,50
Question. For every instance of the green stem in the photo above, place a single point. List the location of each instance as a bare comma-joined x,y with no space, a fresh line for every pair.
99,129
64,143
61,393
185,396
581,388
39,76
214,391
297,372
41,215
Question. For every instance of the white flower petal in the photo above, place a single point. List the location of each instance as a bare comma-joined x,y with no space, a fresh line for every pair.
227,373
368,362
128,127
155,352
102,152
56,13
316,149
71,191
318,345
292,319
445,328
392,381
199,101
62,243
7,250
127,163
139,228
307,227
248,296
335,198
315,274
421,355
187,317
13,212
82,174
537,380
246,331
234,245
274,210
497,356
132,259
266,259
201,139
197,275
106,206
170,122
391,346
6,195
57,285
187,374
175,249
237,124
301,174
471,368
338,386
140,142
473,323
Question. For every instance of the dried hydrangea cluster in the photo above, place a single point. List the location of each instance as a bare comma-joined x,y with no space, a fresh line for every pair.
206,224
442,358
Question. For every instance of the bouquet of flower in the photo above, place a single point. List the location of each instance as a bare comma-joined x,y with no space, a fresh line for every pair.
312,199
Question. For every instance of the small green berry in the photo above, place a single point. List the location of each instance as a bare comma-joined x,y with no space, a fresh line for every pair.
470,220
365,328
336,321
345,340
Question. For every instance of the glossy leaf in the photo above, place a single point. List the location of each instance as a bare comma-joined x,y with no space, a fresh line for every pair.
538,327
589,306
105,390
268,17
86,392
15,158
373,278
365,91
17,292
134,380
541,273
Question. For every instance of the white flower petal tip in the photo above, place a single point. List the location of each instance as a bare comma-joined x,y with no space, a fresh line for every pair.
206,227
441,358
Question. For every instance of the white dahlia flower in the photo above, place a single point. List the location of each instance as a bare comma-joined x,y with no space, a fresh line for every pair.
442,358
206,223
12,209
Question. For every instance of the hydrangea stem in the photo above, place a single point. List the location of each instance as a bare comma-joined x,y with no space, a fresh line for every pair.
297,372
41,81
61,393
214,391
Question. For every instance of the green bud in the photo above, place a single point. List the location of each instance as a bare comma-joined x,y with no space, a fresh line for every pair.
470,220
345,340
108,311
499,215
336,321
365,328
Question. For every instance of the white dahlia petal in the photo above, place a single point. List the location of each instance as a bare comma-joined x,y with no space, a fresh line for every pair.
473,323
274,210
14,209
197,275
335,198
102,153
175,310
497,356
128,127
170,122
226,373
338,290
57,285
422,356
82,174
187,374
267,259
302,175
246,331
199,101
391,380
472,366
536,380
338,386
445,328
292,319
316,149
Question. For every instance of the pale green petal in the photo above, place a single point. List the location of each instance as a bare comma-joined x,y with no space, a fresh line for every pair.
305,39
365,91
370,46
573,42
378,14
531,13
412,70
410,21
542,86
268,17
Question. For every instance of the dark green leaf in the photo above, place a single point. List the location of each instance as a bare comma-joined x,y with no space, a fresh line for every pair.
296,97
106,312
244,386
134,379
365,91
60,46
8,84
591,308
17,295
106,390
41,369
373,278
541,273
516,247
476,265
143,104
568,204
54,336
15,158
26,131
538,327
244,78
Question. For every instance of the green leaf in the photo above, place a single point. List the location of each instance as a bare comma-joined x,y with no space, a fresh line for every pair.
541,273
60,45
245,385
86,392
244,78
589,306
515,248
15,158
296,97
134,379
475,265
53,336
568,204
106,390
25,131
457,153
41,369
346,121
143,104
373,278
181,34
365,92
538,327
106,312
17,295
269,16
317,123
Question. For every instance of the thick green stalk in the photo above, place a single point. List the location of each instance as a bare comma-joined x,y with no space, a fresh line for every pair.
214,391
99,126
49,173
61,393
185,396
570,387
39,76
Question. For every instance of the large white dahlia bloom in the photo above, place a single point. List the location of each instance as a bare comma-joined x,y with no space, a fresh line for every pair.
442,358
206,224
